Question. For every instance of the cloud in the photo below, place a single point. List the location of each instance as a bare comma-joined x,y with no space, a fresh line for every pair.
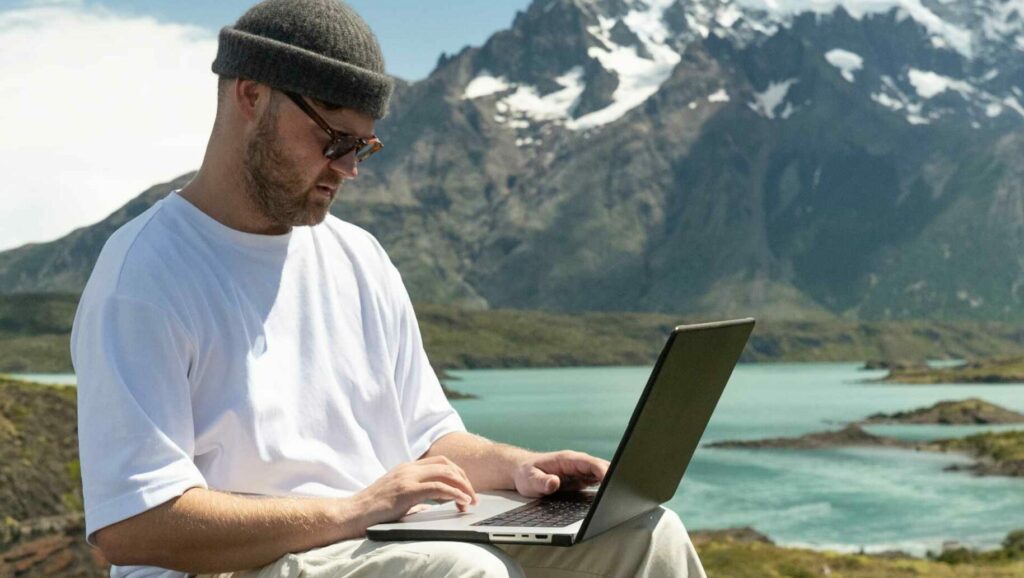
94,108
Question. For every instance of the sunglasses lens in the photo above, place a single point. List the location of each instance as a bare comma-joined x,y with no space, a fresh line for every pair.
341,146
368,150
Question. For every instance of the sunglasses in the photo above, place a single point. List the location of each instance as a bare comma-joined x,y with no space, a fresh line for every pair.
341,143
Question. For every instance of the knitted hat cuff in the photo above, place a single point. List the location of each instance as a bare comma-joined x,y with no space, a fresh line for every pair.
283,66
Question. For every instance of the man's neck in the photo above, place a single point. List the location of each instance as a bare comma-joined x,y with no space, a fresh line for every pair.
228,202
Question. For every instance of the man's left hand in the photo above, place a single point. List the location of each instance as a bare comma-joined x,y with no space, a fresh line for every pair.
543,474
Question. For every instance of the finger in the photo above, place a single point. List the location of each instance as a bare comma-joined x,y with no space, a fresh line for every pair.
450,474
579,464
542,483
417,509
469,498
434,490
442,460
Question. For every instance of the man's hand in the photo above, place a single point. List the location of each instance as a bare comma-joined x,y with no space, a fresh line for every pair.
543,474
398,492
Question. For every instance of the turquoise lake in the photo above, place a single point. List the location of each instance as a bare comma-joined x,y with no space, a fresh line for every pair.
843,499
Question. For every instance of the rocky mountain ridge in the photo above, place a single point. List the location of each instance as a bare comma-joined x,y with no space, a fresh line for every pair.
793,159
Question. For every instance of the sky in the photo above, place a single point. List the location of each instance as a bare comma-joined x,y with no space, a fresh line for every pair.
101,99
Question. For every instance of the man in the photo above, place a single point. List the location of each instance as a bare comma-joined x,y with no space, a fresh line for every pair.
253,390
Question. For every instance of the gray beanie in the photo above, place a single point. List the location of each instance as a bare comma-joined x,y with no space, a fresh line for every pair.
318,48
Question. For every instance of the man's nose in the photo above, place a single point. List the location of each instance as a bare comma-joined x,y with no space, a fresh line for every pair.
346,165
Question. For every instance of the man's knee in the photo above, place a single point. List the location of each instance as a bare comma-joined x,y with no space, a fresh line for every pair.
668,521
660,521
666,528
457,559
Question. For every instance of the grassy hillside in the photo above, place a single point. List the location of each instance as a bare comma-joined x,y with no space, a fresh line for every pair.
728,559
457,338
34,333
34,330
39,474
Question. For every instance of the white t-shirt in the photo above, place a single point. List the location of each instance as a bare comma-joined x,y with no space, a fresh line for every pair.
287,365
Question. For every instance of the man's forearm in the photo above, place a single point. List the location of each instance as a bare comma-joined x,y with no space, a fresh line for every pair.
488,465
204,531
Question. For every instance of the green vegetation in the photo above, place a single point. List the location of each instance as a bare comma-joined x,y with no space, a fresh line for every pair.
38,451
730,559
1012,550
459,338
34,333
37,314
999,453
995,370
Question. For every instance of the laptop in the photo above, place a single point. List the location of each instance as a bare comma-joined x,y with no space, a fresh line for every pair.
662,435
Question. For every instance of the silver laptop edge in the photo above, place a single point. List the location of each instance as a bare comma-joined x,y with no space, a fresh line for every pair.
648,465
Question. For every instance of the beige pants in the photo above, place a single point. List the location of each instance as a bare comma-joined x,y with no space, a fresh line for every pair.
655,545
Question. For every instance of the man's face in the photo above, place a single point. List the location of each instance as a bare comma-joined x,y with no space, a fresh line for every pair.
288,178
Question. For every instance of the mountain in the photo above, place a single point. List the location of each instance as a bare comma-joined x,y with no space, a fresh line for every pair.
789,159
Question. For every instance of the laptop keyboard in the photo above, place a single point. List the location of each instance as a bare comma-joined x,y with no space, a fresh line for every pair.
556,511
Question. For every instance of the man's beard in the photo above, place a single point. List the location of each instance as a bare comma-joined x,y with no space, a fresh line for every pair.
277,190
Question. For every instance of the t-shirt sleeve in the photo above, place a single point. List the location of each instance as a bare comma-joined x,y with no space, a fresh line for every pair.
427,414
135,430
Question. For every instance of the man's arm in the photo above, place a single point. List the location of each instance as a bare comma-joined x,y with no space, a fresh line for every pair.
495,466
204,531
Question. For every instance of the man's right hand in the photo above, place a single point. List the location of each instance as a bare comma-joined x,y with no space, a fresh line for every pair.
397,492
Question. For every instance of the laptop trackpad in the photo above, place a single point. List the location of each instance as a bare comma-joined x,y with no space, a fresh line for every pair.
491,503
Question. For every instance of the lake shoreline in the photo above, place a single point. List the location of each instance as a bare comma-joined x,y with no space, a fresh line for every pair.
994,454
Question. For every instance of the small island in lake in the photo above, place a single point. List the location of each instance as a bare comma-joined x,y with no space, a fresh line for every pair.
971,411
996,370
851,435
895,364
995,453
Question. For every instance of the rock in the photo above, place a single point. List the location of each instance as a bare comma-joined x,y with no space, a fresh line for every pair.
52,546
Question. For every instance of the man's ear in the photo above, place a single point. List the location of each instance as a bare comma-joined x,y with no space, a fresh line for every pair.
249,97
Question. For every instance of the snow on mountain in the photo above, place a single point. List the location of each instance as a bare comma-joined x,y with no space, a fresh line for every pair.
632,46
847,62
928,84
766,103
719,96
485,85
640,75
640,66
782,12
